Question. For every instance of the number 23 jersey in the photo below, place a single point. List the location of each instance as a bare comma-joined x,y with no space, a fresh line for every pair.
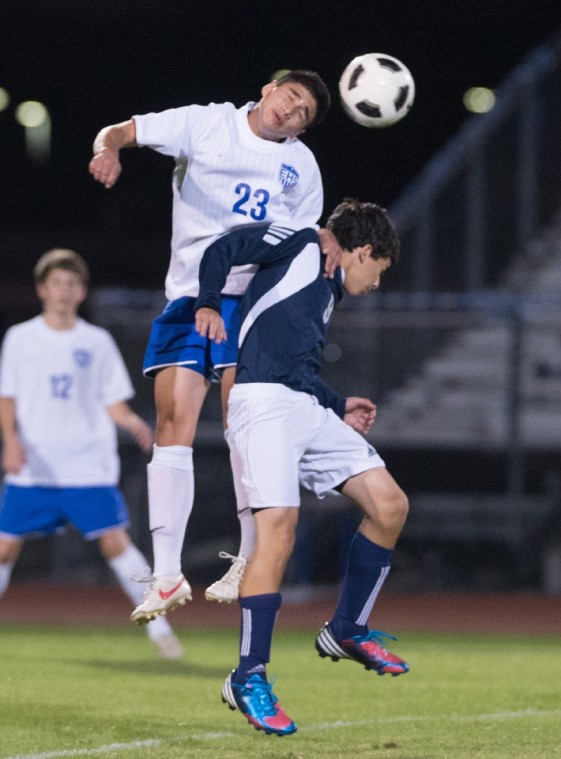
225,177
62,382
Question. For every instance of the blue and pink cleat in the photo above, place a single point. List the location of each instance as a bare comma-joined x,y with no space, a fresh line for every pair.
365,649
259,705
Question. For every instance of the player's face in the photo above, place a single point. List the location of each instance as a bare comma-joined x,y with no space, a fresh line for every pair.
364,273
284,111
62,292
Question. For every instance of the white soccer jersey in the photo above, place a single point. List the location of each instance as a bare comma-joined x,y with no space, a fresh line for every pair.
225,177
62,382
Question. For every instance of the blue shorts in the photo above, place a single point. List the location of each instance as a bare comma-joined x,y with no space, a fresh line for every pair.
174,341
27,512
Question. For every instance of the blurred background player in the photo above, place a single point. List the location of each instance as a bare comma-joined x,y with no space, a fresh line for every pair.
286,438
63,389
233,167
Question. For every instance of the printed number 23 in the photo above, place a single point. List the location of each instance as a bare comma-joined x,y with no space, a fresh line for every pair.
257,200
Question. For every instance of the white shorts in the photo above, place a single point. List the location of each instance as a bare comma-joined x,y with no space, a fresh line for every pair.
284,439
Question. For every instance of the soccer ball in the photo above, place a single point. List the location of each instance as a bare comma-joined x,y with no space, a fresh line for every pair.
376,90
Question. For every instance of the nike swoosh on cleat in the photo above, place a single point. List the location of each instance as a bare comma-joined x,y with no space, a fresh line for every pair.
165,594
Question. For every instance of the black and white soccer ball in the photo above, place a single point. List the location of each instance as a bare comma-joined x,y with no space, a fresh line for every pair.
376,90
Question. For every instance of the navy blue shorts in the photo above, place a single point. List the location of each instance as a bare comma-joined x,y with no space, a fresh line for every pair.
27,512
174,341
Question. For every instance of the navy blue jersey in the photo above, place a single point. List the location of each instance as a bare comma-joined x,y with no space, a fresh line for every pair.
285,310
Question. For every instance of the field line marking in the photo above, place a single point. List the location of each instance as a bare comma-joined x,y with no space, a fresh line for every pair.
150,743
411,718
213,736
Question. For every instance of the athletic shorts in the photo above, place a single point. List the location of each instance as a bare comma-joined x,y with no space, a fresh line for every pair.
174,341
284,439
27,512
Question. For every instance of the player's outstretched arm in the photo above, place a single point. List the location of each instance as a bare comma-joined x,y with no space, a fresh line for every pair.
13,453
105,166
125,418
360,414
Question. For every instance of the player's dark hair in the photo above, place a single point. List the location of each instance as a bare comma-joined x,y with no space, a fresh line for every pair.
315,86
355,224
61,258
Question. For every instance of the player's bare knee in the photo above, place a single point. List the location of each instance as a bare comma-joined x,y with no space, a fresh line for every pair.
113,543
392,511
9,551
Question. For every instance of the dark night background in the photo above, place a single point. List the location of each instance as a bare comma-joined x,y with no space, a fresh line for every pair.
95,63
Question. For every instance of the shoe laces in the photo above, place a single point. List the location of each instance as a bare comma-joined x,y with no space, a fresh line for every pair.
148,577
376,636
234,559
263,698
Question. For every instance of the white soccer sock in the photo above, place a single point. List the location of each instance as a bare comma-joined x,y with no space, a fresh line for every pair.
245,517
247,533
5,574
171,491
131,563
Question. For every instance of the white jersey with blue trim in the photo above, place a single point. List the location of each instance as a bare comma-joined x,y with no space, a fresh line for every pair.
62,382
286,309
226,177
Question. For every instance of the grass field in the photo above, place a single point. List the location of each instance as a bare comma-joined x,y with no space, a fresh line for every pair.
79,692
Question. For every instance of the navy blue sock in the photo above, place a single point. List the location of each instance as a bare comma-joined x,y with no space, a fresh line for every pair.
367,568
259,614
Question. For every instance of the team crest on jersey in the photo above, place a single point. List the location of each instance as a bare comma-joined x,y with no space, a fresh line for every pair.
82,357
288,176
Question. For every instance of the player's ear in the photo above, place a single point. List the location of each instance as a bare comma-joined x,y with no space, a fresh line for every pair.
364,252
268,88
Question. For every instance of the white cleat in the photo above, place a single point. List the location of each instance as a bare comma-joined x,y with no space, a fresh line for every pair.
168,646
227,589
163,594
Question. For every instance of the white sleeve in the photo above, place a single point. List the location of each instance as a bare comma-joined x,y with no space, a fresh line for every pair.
116,384
8,366
169,132
309,208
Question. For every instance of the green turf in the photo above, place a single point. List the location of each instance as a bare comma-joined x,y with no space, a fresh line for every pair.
102,693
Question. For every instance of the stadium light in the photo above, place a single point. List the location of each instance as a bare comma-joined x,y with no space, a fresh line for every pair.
34,117
278,74
479,99
4,99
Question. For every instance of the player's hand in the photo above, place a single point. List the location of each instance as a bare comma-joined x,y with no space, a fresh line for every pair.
331,250
360,414
209,323
142,433
13,456
105,167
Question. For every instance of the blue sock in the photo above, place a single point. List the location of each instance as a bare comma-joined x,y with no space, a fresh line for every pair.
259,614
367,568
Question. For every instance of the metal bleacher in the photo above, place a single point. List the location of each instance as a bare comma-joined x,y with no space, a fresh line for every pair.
467,359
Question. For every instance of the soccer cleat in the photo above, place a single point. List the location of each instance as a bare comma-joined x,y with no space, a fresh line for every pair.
163,594
365,649
227,589
257,702
168,646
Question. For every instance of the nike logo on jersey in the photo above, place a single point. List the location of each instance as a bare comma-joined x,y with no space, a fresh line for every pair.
165,594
